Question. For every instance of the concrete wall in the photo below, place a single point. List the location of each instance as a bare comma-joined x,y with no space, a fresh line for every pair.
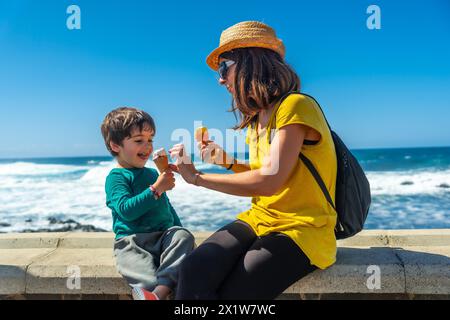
412,264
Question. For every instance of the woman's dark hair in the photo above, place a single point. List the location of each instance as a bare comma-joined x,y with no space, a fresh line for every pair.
262,77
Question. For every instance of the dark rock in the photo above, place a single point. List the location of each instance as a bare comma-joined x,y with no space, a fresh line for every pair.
444,185
53,220
5,225
79,227
65,226
407,183
29,220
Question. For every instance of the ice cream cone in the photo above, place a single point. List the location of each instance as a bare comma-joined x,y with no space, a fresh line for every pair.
161,160
201,134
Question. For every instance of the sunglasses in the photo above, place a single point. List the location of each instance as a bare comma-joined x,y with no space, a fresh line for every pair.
223,68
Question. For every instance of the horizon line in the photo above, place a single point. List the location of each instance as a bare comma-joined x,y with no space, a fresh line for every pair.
107,155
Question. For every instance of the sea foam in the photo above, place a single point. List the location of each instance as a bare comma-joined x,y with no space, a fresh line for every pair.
31,194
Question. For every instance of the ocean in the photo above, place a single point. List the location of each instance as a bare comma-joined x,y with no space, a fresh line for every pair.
410,190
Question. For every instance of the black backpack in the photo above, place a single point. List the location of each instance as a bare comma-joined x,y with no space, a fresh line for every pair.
352,187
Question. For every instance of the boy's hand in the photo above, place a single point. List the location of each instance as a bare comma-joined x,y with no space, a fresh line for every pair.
165,182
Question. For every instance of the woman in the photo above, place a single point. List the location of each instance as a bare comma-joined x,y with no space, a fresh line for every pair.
289,230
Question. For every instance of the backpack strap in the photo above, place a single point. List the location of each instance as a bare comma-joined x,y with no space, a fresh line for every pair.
318,178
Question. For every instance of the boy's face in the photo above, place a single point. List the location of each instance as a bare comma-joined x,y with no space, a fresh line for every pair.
135,150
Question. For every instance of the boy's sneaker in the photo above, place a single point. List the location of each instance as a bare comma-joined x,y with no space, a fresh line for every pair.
142,294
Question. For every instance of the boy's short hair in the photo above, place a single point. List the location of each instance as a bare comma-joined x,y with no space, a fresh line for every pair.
119,124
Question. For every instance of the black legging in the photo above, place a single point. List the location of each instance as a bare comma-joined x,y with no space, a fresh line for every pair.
234,263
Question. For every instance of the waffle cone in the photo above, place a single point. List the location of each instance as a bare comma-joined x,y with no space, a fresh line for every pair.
162,163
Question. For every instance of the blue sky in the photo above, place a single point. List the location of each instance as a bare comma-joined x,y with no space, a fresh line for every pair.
379,88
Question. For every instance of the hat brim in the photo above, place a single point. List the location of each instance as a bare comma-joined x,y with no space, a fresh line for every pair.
213,58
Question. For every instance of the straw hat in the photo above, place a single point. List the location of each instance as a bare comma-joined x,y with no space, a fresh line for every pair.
244,35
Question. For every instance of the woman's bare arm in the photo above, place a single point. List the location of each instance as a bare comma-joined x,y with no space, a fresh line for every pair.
273,174
213,153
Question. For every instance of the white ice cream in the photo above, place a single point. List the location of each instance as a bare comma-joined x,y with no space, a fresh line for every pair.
159,153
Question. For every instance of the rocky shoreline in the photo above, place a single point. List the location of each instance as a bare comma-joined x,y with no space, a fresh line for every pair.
58,225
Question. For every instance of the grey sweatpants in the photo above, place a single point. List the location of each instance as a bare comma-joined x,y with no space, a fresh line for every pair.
149,259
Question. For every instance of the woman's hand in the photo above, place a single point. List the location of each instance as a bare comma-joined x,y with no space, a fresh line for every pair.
173,167
184,164
212,153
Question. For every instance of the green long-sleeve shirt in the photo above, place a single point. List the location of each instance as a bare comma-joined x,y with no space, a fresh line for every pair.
134,208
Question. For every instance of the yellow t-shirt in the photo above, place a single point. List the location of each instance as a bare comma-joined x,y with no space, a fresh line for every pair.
300,209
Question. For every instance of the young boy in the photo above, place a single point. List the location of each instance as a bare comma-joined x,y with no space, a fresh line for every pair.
150,242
